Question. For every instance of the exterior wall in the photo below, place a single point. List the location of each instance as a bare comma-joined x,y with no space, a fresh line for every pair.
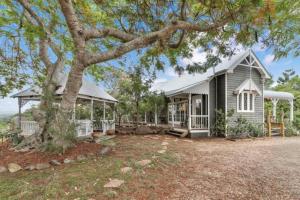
221,92
212,102
234,79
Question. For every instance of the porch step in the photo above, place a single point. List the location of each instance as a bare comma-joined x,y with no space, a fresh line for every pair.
178,132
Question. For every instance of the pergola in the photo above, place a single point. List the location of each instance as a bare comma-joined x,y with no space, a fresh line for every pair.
276,96
89,92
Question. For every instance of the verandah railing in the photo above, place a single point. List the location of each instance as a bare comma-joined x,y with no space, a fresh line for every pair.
199,121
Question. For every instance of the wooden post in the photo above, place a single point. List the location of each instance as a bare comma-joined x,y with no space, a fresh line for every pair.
282,124
104,104
155,115
92,109
190,111
291,110
269,123
173,112
20,112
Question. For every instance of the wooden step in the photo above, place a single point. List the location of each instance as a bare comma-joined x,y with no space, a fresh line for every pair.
178,132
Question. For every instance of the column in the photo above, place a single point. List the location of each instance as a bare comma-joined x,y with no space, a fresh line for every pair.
291,110
190,111
173,112
92,110
155,115
20,112
274,102
104,105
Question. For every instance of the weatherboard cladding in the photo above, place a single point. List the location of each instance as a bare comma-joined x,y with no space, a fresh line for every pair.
236,78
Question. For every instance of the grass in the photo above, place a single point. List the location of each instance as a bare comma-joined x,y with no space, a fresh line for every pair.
85,179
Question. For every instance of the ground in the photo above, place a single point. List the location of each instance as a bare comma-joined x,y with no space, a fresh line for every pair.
189,169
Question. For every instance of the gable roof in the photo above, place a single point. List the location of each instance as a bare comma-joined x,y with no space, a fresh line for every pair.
248,85
229,64
88,89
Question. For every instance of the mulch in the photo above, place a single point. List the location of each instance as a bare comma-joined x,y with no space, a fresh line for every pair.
25,158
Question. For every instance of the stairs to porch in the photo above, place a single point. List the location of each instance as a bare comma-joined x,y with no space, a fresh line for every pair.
178,132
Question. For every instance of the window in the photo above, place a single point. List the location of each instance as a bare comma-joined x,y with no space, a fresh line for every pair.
245,102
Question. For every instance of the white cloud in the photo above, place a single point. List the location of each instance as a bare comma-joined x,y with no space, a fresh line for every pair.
269,59
170,72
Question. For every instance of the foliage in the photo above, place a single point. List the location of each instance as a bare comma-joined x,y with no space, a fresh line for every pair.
220,126
290,130
243,128
286,76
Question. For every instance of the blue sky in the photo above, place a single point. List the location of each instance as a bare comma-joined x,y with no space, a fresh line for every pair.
9,105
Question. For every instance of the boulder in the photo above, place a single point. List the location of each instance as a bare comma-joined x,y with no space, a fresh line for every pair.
41,166
104,151
3,169
164,143
125,170
13,167
110,132
143,162
55,163
30,167
68,160
144,130
161,151
114,183
81,157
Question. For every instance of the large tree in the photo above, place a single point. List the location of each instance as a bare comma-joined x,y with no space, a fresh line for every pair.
92,33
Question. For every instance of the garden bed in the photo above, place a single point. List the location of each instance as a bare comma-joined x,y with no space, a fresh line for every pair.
32,157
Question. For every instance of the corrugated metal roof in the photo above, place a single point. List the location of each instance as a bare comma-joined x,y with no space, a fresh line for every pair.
189,80
269,94
88,89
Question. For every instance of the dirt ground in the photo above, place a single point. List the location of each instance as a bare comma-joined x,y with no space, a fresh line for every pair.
189,169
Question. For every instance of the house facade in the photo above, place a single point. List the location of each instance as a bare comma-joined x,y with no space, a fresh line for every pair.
236,85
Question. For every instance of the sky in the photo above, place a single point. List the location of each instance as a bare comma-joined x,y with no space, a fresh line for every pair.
275,67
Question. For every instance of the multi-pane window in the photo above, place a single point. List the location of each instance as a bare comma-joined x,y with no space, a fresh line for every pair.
245,102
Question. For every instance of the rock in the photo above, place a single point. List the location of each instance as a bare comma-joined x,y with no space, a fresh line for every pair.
13,167
55,163
125,170
161,151
143,130
41,166
111,194
143,162
30,167
81,157
164,143
3,169
110,132
165,147
68,160
114,183
105,150
90,154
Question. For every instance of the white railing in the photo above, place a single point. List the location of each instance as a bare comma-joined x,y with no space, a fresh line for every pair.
199,121
29,127
108,125
84,128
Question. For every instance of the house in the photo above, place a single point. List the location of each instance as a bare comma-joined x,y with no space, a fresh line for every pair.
236,84
89,94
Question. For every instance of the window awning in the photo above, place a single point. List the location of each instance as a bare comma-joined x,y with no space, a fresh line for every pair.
248,85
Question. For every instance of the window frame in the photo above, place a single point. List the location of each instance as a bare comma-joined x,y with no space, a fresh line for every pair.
248,94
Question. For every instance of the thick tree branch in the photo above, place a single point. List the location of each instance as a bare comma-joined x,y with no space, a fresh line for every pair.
150,38
101,33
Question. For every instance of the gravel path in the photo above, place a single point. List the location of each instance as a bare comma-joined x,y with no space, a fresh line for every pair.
248,169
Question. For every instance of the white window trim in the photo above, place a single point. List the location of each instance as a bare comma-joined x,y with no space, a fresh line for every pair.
248,102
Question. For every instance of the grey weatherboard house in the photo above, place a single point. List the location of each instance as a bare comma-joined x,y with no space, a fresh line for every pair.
236,84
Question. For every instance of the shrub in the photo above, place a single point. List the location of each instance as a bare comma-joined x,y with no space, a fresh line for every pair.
290,130
220,126
243,128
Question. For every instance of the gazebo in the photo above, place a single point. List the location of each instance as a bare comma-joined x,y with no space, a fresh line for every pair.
89,95
276,96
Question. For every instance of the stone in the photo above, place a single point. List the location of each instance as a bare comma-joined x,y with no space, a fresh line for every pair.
13,167
161,151
165,147
105,150
143,130
3,169
125,170
68,160
164,143
143,162
114,183
55,163
110,132
30,167
41,166
81,157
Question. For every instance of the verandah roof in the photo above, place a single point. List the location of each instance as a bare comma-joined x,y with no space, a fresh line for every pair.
87,90
269,94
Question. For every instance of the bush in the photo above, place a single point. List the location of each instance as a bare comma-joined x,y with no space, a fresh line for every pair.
243,128
290,130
